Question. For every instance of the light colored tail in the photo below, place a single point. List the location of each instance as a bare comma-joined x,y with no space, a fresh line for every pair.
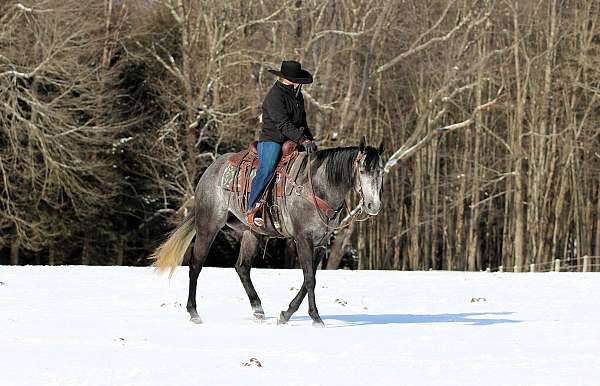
171,253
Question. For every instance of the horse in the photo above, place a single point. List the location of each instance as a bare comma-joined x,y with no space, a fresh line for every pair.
330,173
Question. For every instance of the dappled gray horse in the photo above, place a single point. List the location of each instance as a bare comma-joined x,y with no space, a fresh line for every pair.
334,173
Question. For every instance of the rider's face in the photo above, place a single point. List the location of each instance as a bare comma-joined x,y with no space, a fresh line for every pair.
285,81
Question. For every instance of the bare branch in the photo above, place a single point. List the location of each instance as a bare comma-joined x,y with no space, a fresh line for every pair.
455,126
406,152
249,24
23,8
322,34
320,106
415,48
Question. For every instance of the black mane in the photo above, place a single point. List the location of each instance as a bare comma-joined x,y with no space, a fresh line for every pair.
339,163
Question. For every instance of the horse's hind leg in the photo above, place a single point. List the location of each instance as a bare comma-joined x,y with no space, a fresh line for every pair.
248,250
207,228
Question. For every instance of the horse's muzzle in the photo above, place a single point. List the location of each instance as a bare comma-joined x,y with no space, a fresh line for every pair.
372,209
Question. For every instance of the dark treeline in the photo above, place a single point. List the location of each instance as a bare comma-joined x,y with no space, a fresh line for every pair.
111,109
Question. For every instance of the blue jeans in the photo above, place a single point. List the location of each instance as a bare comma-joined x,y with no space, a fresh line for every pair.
268,155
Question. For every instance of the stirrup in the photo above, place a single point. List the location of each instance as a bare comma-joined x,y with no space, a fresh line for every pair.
252,219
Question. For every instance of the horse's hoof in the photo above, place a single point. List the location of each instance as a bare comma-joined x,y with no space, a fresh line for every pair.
196,320
318,323
259,317
282,319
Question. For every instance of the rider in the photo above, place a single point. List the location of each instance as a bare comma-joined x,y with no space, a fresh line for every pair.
283,118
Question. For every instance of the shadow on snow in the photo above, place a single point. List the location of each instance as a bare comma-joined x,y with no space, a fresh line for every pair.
472,318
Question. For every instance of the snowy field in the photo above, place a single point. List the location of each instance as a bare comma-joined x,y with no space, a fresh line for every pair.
126,326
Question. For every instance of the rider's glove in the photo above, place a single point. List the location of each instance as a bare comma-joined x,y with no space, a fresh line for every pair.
309,146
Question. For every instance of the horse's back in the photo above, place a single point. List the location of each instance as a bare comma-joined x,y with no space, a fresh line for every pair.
209,184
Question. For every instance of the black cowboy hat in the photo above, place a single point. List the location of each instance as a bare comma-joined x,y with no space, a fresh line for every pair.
292,71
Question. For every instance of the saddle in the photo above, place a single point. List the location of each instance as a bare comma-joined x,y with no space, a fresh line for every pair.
289,150
242,167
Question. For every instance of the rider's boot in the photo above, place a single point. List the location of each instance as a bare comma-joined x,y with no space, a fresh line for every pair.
254,216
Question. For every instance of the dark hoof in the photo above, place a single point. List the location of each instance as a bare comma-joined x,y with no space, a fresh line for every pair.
196,320
283,318
318,323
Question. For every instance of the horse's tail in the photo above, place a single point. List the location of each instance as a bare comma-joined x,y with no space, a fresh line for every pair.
170,254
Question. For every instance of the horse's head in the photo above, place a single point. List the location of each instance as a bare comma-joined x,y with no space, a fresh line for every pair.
369,176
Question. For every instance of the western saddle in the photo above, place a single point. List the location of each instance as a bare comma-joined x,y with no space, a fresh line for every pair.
242,169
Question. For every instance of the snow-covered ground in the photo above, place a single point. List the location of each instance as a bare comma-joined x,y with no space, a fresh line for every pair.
127,326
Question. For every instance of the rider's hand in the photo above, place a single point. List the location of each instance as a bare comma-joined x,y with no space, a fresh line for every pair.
309,146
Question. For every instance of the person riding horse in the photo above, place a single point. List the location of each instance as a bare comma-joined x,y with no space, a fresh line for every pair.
283,118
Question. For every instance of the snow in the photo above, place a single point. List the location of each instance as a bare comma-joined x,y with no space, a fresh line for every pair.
127,326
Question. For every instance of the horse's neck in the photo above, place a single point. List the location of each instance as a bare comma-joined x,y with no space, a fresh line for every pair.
333,194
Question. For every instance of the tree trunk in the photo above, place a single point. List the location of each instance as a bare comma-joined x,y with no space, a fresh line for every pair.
362,263
86,250
597,250
540,145
120,252
415,230
435,228
560,226
473,238
108,5
291,256
51,254
339,247
460,252
519,239
14,252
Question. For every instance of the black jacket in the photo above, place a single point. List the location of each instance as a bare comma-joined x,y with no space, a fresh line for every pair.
284,116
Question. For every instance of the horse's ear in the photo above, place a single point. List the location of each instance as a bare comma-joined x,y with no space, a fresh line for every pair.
363,143
380,150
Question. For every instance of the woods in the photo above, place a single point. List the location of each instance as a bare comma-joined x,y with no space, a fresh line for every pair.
110,110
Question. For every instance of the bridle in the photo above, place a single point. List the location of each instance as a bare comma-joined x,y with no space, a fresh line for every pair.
325,221
357,163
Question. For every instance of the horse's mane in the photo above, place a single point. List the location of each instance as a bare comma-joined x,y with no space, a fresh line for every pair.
339,163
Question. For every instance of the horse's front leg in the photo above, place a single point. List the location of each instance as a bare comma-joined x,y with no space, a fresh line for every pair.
285,316
308,264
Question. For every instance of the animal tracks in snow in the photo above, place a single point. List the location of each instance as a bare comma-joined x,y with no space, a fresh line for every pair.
478,300
341,302
252,362
174,305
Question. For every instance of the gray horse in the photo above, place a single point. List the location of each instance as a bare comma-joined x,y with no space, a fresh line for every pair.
334,173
